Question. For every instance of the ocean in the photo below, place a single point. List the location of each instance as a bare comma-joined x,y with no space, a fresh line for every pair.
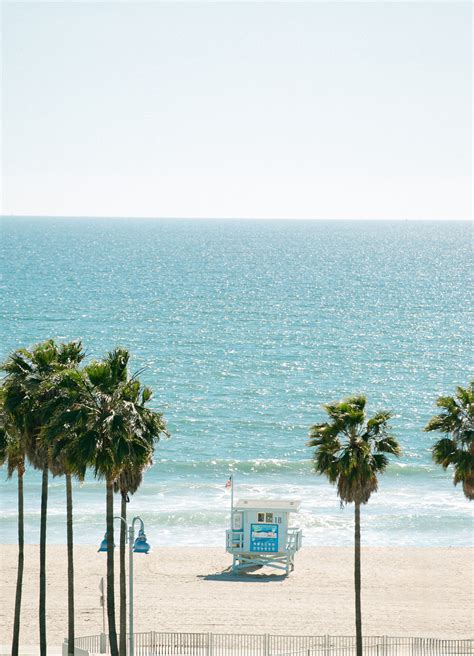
245,328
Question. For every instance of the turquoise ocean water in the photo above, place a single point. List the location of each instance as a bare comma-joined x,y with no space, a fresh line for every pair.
245,328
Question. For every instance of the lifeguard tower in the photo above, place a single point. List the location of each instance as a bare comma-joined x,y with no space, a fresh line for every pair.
260,536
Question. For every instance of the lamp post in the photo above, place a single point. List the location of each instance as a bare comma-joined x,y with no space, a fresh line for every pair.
138,545
102,602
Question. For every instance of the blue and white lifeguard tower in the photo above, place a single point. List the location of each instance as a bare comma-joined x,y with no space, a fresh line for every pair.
260,534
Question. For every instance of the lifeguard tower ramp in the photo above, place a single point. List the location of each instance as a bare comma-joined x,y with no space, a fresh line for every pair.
260,535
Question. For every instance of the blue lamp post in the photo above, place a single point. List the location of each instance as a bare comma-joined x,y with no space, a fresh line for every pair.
139,544
103,544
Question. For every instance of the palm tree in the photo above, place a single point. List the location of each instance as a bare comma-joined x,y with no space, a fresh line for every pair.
71,637
128,482
51,359
110,427
60,402
27,395
12,454
21,403
456,421
350,451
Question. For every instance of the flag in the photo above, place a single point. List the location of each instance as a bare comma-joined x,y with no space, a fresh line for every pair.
228,483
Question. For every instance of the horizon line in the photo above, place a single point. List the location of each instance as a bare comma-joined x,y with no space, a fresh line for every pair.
225,218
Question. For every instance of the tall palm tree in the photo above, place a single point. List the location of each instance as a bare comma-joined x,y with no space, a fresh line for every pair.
456,421
350,450
111,426
13,455
60,401
51,359
21,403
128,482
27,395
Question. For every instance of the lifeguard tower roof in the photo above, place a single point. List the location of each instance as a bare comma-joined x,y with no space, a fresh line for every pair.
282,505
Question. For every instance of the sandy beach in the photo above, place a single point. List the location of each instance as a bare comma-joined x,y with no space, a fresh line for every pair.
406,591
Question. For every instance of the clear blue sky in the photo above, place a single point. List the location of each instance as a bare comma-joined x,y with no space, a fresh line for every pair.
245,109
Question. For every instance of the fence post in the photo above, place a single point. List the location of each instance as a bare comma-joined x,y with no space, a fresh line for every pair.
209,644
265,644
103,643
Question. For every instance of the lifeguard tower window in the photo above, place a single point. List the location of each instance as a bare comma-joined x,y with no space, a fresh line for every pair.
260,517
269,517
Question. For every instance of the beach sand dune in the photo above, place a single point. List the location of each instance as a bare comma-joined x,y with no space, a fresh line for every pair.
406,591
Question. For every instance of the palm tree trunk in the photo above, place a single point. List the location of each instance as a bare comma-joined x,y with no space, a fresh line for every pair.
21,561
123,588
357,581
42,581
70,567
110,571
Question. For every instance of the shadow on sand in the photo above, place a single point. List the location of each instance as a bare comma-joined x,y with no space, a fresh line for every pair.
243,577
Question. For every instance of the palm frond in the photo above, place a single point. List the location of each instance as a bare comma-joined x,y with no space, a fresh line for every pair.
350,449
456,421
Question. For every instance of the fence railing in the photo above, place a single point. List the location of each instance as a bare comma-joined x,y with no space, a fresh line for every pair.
96,644
220,644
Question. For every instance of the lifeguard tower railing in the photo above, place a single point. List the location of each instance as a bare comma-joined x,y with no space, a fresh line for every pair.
235,540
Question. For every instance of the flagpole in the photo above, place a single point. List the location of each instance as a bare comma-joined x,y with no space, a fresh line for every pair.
231,501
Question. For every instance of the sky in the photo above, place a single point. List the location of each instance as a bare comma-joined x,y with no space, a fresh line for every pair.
322,110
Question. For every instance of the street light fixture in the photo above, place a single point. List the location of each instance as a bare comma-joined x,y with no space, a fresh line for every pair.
103,544
139,544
